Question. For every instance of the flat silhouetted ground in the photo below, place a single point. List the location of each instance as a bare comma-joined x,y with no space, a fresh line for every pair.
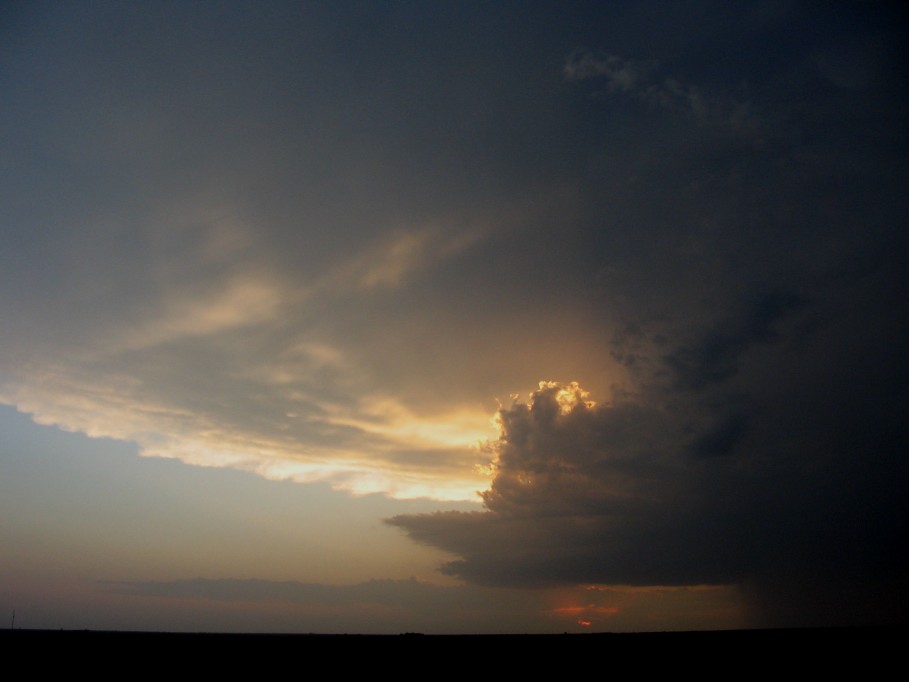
732,652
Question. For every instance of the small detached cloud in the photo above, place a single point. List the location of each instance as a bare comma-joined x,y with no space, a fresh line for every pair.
619,73
643,80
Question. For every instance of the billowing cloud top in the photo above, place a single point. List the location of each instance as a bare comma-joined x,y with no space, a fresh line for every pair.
637,492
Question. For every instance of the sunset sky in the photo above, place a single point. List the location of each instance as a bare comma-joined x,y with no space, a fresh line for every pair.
453,316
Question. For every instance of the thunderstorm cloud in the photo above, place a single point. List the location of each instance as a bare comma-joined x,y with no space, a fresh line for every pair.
635,493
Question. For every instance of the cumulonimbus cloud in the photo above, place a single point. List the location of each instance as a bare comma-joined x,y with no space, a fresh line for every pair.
631,493
582,492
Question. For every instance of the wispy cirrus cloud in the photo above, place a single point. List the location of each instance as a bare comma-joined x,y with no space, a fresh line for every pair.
218,365
400,255
618,72
645,81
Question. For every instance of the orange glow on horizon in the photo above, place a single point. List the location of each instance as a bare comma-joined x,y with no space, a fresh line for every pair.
585,610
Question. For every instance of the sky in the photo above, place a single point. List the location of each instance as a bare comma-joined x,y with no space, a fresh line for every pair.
453,317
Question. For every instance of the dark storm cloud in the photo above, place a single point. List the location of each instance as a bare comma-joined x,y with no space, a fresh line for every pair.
582,493
636,494
716,357
758,309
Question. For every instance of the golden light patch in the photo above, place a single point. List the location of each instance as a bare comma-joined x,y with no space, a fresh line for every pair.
115,411
241,302
391,419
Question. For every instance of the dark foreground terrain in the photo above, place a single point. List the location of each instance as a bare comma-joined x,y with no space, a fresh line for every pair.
733,652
